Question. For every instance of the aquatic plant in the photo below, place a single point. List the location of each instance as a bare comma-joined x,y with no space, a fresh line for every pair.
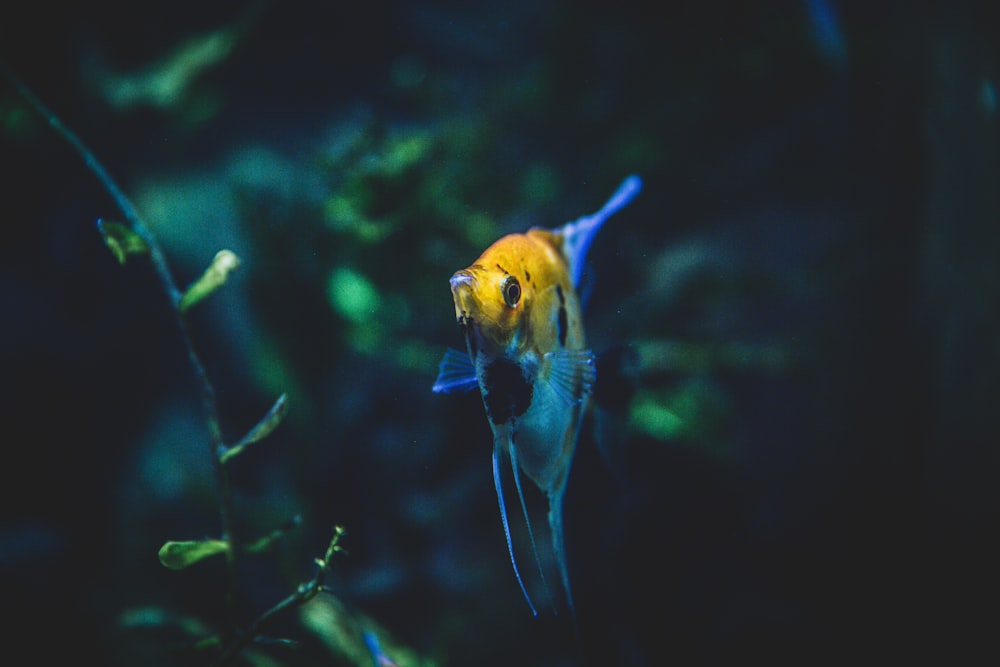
345,633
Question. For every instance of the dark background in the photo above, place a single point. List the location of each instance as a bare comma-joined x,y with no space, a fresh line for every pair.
811,275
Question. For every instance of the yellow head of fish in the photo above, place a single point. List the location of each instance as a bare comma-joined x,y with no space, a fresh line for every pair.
495,296
488,305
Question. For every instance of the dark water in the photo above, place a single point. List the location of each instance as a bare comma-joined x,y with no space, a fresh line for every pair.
810,281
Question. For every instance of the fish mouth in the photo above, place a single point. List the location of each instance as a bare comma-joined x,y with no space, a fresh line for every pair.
476,325
463,285
462,278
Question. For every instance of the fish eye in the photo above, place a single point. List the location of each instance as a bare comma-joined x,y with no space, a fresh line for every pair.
511,291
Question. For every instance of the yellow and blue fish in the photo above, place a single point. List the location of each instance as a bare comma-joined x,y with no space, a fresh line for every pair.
519,308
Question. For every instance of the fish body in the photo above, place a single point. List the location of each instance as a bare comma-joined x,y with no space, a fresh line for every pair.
519,307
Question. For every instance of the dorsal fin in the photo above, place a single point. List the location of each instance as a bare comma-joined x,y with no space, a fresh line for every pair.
578,235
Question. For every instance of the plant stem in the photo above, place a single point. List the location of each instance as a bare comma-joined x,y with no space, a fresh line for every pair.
208,400
304,593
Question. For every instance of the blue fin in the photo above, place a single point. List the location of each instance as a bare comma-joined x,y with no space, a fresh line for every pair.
506,526
577,236
456,373
572,374
559,547
375,649
527,521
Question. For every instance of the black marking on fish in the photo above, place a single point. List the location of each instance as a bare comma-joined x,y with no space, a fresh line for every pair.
503,270
563,323
506,392
527,276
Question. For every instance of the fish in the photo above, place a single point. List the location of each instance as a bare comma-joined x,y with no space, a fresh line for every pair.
520,310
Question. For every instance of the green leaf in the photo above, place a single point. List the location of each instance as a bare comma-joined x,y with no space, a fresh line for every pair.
121,240
215,276
261,430
179,555
266,542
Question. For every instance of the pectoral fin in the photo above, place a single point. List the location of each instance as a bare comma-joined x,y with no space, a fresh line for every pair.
455,373
572,374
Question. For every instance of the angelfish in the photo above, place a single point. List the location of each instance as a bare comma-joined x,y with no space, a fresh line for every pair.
519,308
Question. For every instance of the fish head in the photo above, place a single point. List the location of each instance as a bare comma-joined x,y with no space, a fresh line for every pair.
491,305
